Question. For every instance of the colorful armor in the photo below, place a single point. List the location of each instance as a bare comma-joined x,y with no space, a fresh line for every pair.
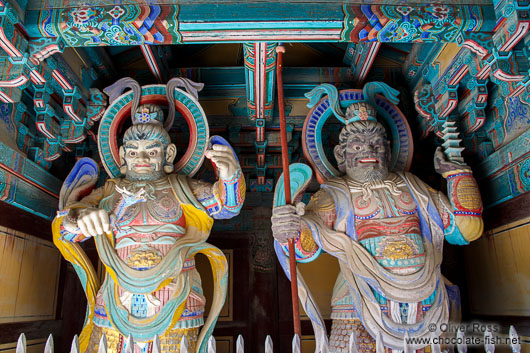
145,232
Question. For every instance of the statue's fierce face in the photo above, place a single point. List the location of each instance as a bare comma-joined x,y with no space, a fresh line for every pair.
146,153
144,156
364,152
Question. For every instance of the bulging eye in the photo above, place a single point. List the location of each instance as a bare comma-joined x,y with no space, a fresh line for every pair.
152,153
132,153
357,148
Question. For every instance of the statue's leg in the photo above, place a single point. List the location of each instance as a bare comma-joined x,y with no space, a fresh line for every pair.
170,341
113,339
190,323
341,330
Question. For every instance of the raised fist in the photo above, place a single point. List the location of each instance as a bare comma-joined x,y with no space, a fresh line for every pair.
93,221
286,221
224,160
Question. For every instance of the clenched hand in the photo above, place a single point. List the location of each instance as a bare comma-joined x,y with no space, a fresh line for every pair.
286,221
224,159
93,221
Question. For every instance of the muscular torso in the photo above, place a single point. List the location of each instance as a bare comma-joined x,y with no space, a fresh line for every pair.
388,226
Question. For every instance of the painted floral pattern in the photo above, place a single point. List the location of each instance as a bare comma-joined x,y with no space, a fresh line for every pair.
112,25
405,23
440,12
116,12
404,10
83,15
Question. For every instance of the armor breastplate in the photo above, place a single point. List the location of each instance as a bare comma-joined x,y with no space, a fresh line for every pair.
147,230
388,226
163,209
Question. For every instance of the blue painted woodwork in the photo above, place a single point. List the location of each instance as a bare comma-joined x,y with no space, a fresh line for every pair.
26,185
476,73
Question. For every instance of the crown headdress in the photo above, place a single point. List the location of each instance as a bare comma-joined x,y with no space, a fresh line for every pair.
148,114
357,111
360,111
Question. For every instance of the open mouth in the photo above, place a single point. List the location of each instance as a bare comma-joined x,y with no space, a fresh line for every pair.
142,165
369,160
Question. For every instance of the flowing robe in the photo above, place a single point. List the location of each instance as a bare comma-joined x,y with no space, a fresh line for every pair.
368,289
151,286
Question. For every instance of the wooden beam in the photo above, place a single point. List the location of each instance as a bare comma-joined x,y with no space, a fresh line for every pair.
36,329
155,62
361,57
507,212
260,76
17,219
289,21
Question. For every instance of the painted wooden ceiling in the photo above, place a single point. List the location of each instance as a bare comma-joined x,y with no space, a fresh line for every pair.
465,61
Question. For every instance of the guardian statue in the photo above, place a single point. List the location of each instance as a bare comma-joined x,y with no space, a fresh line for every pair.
148,224
385,226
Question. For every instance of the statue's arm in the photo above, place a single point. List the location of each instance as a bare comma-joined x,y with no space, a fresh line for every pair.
70,229
322,206
224,199
461,209
465,203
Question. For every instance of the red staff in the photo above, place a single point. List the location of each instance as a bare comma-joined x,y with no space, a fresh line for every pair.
287,187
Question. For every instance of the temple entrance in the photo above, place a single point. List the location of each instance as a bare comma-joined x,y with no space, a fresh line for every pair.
455,115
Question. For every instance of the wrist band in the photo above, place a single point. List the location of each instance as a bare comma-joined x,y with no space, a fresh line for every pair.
234,178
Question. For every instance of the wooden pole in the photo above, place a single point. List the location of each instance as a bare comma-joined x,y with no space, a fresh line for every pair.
287,186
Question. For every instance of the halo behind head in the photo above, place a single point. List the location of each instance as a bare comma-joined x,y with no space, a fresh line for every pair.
397,128
119,111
